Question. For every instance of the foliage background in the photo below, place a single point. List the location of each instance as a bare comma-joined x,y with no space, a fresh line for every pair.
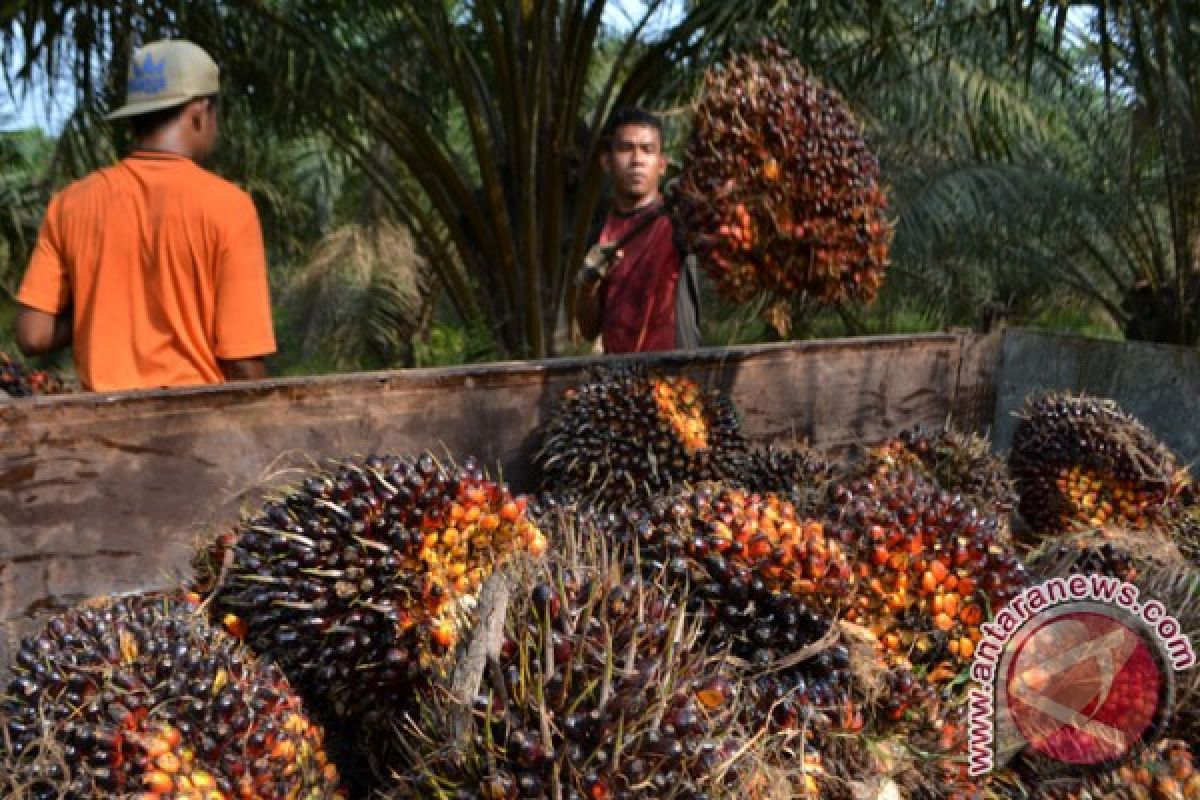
425,172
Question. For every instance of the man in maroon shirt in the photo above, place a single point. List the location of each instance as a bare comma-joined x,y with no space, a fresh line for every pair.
627,291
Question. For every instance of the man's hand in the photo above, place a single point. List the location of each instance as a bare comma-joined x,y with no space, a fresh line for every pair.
244,369
39,332
595,266
589,300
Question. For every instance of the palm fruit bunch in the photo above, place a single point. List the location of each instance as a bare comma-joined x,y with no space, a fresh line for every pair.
930,568
796,470
1163,771
626,434
1183,527
597,688
17,380
779,192
1080,461
356,582
767,584
140,696
1132,556
960,463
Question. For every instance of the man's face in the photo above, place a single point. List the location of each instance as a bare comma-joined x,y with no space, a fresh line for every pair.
635,161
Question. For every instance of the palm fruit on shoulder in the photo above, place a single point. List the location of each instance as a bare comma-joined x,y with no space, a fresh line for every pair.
1082,461
598,689
141,696
627,434
780,193
929,567
357,582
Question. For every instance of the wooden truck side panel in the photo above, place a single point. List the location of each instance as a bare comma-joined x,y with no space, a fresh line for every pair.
106,494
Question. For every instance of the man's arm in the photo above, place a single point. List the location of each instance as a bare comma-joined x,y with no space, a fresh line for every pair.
589,307
39,332
244,369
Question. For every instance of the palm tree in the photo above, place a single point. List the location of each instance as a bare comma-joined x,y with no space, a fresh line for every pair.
478,122
1127,226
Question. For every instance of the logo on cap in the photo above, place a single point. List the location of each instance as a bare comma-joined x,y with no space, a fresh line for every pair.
149,77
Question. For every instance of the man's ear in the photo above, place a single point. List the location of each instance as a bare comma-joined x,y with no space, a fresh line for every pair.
196,111
606,161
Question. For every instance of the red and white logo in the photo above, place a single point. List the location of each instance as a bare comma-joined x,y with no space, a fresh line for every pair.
1083,686
1079,670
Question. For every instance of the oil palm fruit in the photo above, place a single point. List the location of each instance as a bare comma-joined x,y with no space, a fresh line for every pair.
929,567
356,581
17,380
1081,461
780,193
599,689
958,462
766,584
795,470
1129,555
1183,528
626,434
1163,771
142,697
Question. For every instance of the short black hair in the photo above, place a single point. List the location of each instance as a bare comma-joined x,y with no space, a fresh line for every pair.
630,115
145,125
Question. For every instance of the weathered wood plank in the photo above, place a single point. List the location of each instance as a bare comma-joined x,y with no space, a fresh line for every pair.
107,493
975,398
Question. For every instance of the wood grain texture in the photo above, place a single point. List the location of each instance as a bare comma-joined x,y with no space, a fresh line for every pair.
105,494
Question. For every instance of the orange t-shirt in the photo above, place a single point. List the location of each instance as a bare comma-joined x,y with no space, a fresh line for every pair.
164,266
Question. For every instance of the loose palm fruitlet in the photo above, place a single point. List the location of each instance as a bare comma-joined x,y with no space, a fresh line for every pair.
930,568
599,689
626,435
17,380
355,582
780,193
142,697
1081,461
960,463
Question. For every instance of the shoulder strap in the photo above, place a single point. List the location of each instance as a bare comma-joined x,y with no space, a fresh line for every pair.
645,222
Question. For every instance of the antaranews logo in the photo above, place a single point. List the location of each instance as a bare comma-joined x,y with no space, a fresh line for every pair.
1080,669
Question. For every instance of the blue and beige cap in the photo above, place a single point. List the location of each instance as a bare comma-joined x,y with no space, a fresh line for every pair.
165,74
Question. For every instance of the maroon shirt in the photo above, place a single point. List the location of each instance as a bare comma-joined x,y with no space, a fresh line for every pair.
639,294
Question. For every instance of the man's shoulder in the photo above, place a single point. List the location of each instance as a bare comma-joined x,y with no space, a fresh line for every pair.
93,183
210,188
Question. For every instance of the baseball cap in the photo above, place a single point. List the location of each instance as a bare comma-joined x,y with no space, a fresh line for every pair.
164,74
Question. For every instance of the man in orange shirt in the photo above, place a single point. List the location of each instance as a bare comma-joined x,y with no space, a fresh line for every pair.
154,269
